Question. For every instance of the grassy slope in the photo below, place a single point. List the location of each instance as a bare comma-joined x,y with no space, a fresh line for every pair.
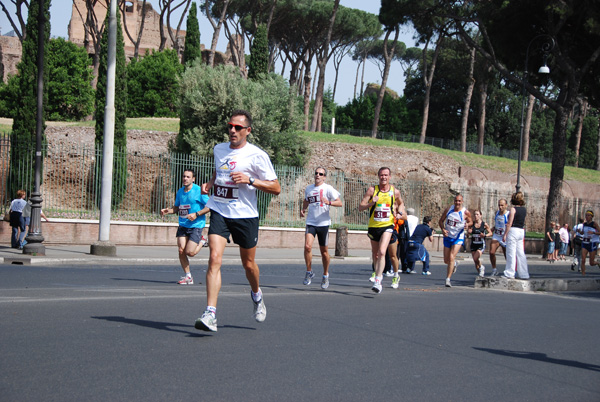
480,161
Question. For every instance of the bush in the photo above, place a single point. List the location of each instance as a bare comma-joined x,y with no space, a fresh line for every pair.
152,85
209,95
70,92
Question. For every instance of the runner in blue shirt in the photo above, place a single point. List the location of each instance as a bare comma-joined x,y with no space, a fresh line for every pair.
190,204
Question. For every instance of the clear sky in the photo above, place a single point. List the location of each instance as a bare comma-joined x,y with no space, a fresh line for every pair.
60,14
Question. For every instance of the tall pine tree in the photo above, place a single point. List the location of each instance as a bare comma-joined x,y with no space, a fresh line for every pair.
259,54
191,49
25,113
119,185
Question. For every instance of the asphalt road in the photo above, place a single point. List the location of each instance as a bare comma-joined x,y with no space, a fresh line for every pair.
100,333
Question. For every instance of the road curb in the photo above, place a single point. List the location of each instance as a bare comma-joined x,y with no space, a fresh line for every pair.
538,285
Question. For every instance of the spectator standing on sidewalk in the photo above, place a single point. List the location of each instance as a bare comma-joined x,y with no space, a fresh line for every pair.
241,169
564,241
27,220
190,205
516,261
16,219
318,198
550,239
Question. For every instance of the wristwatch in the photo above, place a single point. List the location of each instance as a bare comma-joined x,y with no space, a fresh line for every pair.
251,180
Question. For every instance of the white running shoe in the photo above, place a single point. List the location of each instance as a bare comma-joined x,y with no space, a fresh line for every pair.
481,271
495,272
455,266
260,310
325,282
395,282
389,274
426,273
377,288
208,322
372,278
308,277
186,280
448,284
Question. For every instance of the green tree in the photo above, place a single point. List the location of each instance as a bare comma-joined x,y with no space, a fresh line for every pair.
191,49
259,54
209,95
70,92
25,111
511,28
153,85
119,184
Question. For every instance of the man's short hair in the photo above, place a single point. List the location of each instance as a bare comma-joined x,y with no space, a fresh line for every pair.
426,220
384,168
241,112
190,170
324,170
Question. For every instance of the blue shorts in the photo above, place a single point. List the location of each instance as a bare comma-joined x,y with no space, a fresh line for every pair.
550,247
591,246
449,242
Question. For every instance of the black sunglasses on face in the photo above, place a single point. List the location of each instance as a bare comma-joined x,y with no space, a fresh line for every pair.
319,173
237,127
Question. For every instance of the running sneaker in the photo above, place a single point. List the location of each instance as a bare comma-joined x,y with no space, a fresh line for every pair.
414,271
495,272
395,282
208,322
372,278
186,280
260,311
455,266
409,271
325,282
308,277
204,241
377,288
448,284
426,273
481,271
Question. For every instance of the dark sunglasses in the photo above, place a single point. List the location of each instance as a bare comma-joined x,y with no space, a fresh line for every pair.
319,173
237,127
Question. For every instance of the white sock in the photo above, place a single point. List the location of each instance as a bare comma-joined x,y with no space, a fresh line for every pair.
257,296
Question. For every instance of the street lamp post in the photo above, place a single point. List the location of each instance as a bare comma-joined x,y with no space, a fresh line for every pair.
546,47
34,237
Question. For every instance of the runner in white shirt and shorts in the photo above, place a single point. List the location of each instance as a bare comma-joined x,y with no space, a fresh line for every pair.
240,170
318,198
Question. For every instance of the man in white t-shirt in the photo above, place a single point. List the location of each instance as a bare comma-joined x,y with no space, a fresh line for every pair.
240,170
318,198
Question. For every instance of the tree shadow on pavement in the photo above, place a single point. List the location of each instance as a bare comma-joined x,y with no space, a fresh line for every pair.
542,357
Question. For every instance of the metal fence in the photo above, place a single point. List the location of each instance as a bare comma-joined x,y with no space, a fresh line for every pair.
70,189
453,145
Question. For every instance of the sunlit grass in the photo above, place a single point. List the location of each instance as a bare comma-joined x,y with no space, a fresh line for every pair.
496,163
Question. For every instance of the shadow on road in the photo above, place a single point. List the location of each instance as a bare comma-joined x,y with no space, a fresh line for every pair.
164,326
541,357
